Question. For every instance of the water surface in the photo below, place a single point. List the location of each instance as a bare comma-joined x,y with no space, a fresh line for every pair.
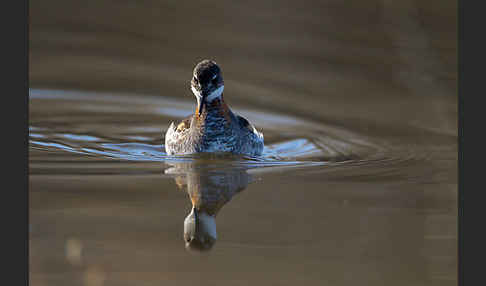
357,183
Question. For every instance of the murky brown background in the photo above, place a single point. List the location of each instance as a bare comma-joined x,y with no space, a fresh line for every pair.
381,72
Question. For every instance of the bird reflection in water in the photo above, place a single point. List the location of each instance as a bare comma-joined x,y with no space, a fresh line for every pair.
210,184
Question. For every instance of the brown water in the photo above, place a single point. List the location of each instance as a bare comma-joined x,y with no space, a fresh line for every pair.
358,181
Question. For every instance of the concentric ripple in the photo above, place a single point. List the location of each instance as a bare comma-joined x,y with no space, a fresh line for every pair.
131,128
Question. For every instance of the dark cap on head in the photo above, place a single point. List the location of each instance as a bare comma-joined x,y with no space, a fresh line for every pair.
206,70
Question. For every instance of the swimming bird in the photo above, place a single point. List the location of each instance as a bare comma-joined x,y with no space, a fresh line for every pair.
213,127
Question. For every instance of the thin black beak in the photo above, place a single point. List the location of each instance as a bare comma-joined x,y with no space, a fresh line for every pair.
200,105
196,219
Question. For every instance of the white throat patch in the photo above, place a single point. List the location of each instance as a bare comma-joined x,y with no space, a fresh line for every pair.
214,95
196,93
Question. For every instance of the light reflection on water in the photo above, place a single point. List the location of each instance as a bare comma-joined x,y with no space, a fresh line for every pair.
104,143
358,104
285,144
210,180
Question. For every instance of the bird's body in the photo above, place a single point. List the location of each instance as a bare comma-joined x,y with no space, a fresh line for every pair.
213,127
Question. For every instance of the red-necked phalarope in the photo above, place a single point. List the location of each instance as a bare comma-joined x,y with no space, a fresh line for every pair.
213,127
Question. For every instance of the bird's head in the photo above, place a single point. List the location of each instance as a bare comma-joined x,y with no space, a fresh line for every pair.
207,83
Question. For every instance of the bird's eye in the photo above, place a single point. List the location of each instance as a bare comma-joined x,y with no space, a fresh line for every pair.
195,79
215,80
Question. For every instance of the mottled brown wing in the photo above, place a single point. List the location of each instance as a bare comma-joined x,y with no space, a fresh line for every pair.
185,124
